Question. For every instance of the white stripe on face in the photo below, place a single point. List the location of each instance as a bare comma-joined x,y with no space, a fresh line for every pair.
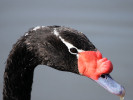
69,45
55,32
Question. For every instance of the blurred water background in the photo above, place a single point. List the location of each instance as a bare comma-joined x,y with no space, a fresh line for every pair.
108,24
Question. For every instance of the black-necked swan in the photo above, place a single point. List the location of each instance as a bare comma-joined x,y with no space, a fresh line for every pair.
61,48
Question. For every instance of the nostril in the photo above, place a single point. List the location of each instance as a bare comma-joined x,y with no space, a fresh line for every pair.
103,76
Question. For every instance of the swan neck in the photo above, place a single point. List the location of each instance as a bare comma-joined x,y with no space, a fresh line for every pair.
18,76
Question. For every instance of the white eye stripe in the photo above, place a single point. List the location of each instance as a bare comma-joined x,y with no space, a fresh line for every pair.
69,45
55,32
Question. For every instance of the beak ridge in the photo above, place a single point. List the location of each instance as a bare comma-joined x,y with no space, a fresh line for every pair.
112,86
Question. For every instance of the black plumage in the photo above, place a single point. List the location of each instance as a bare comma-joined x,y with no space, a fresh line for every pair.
40,46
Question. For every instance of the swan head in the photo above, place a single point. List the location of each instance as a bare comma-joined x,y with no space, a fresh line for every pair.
67,49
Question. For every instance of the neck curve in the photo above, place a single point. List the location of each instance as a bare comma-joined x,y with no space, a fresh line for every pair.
18,76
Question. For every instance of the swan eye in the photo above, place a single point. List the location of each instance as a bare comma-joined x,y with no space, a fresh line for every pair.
73,50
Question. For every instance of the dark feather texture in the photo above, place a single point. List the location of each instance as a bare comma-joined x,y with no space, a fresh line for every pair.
40,46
